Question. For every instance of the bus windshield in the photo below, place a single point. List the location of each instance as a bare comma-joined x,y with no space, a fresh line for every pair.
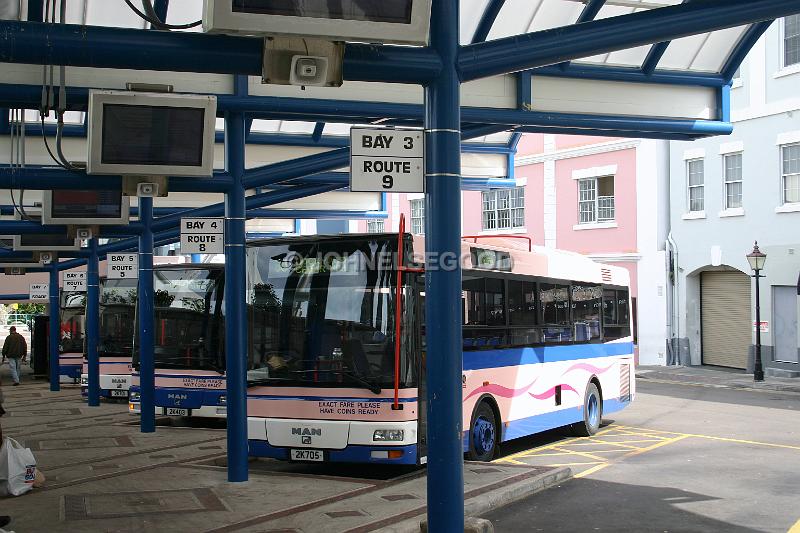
322,314
188,326
73,312
117,317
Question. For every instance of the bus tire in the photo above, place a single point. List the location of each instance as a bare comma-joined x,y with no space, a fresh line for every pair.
592,412
483,433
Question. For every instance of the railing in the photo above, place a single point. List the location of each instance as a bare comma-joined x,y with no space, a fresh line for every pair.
17,319
605,208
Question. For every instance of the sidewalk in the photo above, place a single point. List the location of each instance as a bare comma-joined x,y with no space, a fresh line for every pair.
715,377
104,475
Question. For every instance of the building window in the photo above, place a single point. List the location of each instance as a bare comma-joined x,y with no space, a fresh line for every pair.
790,173
418,216
733,181
791,40
374,226
504,208
596,200
694,171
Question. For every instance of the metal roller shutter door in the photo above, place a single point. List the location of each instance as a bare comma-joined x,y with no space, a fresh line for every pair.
726,322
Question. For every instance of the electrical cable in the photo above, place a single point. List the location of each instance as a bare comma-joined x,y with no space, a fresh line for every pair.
62,99
47,145
159,24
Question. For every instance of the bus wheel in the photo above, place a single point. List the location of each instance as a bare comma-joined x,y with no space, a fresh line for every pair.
592,412
483,434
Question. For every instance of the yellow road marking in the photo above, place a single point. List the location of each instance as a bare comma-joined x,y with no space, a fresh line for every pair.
593,470
577,464
524,453
739,441
595,442
795,528
583,454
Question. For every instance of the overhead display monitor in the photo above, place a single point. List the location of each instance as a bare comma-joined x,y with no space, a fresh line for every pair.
41,242
373,21
85,207
151,134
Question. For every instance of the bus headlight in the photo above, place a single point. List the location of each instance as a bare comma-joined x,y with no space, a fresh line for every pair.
85,381
388,435
222,400
135,396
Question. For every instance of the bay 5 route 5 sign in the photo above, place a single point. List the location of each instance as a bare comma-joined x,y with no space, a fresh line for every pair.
202,235
39,292
123,266
387,160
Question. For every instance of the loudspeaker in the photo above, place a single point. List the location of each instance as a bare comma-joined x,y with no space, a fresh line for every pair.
147,190
309,70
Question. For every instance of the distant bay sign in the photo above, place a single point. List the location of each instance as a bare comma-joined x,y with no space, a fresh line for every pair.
202,235
39,292
387,160
73,281
123,266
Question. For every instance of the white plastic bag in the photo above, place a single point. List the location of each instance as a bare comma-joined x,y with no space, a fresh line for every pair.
17,468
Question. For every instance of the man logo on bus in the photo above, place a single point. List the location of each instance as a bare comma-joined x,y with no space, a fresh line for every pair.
310,432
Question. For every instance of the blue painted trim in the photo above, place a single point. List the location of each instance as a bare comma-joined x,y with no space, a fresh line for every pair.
71,371
613,405
187,398
159,375
742,48
351,454
9,297
724,103
297,226
487,20
482,359
326,398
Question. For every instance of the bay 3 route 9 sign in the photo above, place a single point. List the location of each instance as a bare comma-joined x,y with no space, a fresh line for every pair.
387,160
202,235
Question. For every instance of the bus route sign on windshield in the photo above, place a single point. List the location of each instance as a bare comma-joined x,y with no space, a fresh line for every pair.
387,160
202,235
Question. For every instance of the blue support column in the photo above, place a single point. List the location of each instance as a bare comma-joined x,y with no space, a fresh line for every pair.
235,305
145,309
197,258
55,330
443,278
93,323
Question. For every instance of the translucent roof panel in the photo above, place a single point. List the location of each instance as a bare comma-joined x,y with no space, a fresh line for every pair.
699,53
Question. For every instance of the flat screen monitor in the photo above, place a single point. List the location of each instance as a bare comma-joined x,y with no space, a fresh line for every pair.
85,207
151,134
44,242
373,21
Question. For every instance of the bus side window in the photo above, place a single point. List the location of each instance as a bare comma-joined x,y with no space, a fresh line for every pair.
555,313
616,314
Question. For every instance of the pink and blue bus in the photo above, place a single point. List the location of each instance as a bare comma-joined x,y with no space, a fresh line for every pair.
71,337
117,315
546,344
189,351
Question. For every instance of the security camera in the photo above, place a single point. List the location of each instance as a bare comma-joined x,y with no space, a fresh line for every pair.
147,190
84,233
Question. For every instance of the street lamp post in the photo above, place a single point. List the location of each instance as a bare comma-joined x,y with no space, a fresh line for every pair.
757,258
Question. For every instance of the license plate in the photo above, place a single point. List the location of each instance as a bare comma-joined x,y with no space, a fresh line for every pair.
172,411
307,455
119,393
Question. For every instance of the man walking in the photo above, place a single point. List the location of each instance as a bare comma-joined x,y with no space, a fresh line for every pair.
15,348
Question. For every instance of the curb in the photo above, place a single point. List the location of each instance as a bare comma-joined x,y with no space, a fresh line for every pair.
500,497
769,387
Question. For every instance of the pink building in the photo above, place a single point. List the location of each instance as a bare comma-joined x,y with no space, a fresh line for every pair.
599,196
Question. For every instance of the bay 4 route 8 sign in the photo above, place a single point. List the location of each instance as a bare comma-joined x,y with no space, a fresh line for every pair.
202,235
123,266
387,160
39,292
73,281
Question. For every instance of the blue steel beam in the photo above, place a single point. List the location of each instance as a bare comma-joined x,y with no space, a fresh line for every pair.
145,309
235,300
131,49
590,11
740,51
161,7
655,54
93,324
547,47
487,20
631,75
16,297
443,281
54,335
296,168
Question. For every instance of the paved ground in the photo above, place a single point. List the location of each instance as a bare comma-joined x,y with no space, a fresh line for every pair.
694,457
103,475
